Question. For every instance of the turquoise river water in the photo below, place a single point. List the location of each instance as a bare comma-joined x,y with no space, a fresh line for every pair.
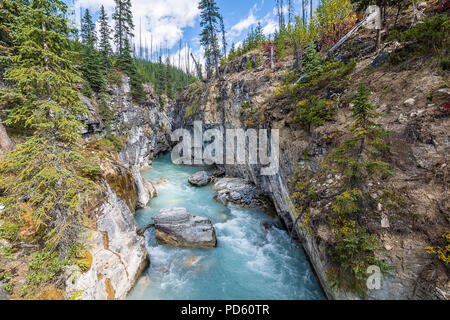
249,263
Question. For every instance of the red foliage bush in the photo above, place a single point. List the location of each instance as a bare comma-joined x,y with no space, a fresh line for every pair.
441,5
266,49
447,107
329,38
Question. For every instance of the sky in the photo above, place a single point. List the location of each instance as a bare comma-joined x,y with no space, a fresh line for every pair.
168,21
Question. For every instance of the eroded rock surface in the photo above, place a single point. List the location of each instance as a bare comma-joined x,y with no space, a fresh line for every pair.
176,227
239,192
118,254
200,179
418,155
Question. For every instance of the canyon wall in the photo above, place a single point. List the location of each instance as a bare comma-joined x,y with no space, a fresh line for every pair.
243,100
116,244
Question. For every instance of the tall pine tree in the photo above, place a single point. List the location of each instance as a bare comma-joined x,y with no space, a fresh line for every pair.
123,37
104,44
123,29
46,179
211,27
92,64
88,34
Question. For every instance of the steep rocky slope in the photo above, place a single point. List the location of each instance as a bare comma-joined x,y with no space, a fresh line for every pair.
117,245
129,136
412,99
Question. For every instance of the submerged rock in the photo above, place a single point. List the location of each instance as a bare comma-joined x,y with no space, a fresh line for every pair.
200,179
192,260
161,182
267,225
176,227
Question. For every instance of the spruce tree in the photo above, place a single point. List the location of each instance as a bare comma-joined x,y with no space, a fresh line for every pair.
224,39
259,34
359,156
88,33
124,26
210,23
169,80
104,44
123,36
359,159
127,65
49,177
92,63
161,81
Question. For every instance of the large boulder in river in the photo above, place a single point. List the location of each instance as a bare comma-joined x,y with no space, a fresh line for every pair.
176,227
200,179
239,192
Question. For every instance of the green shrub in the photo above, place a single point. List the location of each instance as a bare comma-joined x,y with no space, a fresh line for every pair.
431,37
110,142
313,66
9,230
114,78
104,108
259,59
87,90
445,63
245,105
45,266
314,111
353,253
192,109
248,65
5,278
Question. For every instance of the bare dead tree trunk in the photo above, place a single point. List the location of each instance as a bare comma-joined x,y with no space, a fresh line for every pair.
197,66
290,11
272,65
5,142
396,16
303,12
350,33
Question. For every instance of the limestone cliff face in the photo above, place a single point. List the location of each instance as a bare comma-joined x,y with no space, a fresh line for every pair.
115,243
118,253
146,128
242,100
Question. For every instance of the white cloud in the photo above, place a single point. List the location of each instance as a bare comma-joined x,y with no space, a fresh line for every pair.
270,27
244,24
162,20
